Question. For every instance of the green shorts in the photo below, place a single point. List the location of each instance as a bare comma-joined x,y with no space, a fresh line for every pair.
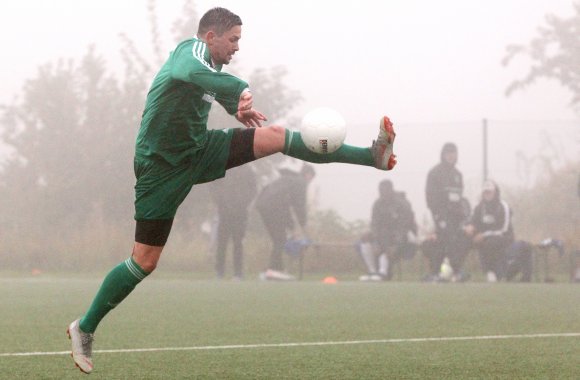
162,187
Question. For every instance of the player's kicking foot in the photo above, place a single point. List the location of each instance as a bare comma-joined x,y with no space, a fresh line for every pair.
383,147
82,347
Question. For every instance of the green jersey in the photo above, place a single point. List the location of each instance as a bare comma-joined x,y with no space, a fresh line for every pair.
174,123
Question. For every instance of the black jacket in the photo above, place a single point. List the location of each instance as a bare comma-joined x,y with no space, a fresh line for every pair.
392,218
234,193
285,195
444,192
493,218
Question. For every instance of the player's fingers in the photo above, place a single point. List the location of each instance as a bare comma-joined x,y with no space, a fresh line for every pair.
255,123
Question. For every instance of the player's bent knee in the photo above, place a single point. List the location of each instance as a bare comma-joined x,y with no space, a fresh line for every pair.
146,256
269,140
150,238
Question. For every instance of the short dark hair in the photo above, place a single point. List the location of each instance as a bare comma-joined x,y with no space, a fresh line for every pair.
218,19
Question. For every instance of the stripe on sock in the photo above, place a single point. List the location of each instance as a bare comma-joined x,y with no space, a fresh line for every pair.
290,134
134,270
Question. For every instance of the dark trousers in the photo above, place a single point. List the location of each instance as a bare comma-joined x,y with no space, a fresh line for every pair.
276,229
519,261
451,243
230,227
389,249
493,255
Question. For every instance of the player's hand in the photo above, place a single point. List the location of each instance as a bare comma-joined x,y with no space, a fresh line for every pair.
246,101
246,114
251,118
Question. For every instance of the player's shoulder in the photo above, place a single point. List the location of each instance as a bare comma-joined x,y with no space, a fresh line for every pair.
186,44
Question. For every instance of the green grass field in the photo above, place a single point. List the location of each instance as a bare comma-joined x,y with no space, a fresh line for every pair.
202,329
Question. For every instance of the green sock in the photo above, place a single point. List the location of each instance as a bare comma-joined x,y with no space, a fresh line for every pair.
116,286
348,154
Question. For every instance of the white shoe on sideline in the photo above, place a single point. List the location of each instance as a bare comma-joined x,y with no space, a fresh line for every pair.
274,275
370,277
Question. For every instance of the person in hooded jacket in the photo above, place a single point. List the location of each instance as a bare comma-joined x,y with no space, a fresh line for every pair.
450,210
282,205
492,231
392,220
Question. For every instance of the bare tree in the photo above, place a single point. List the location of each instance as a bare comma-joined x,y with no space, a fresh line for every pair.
555,54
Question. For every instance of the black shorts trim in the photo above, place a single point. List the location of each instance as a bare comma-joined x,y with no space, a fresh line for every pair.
241,147
153,232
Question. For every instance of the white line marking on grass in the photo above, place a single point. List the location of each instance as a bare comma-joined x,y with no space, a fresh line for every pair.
304,344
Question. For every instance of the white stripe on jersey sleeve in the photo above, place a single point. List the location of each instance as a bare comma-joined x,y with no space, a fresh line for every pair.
198,52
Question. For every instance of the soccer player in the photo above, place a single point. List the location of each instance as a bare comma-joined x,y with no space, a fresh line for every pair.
175,150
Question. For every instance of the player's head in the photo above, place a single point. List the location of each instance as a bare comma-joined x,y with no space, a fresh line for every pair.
221,30
449,153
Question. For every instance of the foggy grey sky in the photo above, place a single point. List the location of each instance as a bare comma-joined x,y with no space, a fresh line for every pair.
423,63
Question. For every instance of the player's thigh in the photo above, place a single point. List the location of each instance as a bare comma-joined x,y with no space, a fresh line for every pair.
160,189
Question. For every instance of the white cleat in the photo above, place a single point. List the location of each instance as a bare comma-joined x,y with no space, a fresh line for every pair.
274,275
82,347
382,148
372,277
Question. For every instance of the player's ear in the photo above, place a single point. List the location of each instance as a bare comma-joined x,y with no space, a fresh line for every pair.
209,36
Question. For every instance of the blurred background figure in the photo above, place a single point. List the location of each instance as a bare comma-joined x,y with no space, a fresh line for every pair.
520,261
576,254
283,208
393,229
492,231
449,209
232,195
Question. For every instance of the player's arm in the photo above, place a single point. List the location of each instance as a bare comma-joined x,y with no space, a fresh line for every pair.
231,92
188,67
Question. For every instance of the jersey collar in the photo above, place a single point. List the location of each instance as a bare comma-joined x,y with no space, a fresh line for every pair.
207,56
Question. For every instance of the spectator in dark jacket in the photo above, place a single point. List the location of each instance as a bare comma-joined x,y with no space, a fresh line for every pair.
392,219
232,195
282,206
492,231
449,209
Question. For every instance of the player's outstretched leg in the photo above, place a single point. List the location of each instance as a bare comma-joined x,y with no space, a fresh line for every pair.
82,347
379,155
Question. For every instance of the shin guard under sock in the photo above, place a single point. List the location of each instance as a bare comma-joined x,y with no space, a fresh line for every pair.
120,281
348,154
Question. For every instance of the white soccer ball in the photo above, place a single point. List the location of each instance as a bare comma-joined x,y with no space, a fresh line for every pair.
323,130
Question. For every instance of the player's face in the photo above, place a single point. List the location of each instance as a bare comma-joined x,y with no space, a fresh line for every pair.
223,47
